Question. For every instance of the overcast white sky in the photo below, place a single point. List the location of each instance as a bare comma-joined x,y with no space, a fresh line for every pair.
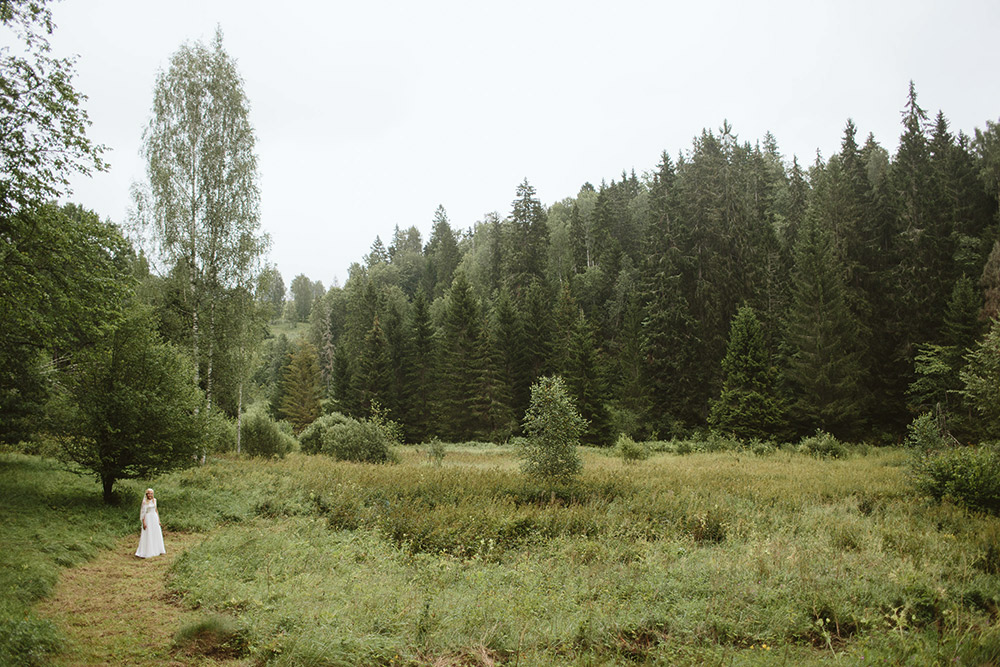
370,114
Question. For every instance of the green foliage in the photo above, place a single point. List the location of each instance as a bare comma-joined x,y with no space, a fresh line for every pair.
43,129
436,451
360,440
219,432
304,294
631,451
317,436
300,401
137,407
981,376
823,367
925,433
64,277
969,476
749,406
553,428
199,140
261,436
823,445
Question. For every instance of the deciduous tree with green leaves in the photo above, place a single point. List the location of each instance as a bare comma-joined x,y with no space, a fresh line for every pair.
137,408
553,428
203,199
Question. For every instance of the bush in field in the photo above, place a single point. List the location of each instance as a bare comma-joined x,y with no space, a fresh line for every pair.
924,433
969,476
363,441
220,432
262,436
553,428
319,435
631,451
824,445
436,451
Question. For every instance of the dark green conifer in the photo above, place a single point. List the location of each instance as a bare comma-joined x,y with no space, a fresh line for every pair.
749,406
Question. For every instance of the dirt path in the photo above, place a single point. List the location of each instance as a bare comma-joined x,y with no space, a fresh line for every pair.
116,610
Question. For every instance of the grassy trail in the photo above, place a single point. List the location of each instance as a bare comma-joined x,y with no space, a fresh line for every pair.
115,609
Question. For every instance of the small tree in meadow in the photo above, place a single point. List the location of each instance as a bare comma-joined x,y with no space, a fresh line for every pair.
137,409
553,428
748,406
982,381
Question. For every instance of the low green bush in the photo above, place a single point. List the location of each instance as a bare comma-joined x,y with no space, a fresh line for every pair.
436,451
924,433
970,476
823,445
318,436
220,432
362,441
262,436
631,451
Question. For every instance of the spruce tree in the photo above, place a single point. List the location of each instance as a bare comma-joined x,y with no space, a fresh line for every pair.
419,380
461,404
749,406
525,240
374,379
822,366
981,377
584,376
300,403
442,256
510,351
675,373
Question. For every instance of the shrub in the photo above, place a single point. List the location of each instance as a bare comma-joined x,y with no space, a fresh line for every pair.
318,435
924,433
969,476
436,451
761,447
631,451
365,441
220,432
823,445
553,428
262,436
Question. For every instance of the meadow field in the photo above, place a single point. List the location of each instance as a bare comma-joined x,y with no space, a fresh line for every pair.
724,557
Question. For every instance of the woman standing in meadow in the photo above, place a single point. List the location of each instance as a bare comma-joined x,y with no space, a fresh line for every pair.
151,539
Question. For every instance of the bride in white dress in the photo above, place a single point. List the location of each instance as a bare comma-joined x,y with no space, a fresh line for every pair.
151,540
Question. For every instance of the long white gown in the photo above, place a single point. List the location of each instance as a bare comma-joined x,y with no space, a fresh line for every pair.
151,539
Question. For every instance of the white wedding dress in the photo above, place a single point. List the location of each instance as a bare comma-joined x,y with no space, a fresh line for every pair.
151,540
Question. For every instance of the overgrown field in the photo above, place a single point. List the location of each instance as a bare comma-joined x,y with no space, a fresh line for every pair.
723,557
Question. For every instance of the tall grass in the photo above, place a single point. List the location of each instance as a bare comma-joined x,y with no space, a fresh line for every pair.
676,560
708,557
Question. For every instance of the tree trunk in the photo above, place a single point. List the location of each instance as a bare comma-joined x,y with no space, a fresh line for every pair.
239,417
108,483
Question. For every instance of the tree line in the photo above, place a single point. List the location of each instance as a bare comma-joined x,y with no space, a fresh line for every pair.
727,288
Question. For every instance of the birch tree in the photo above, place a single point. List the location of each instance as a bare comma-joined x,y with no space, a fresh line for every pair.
204,198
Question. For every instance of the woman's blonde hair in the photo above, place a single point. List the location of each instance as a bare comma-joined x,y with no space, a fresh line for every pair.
144,498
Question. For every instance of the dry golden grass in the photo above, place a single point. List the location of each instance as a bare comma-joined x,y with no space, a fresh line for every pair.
115,609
